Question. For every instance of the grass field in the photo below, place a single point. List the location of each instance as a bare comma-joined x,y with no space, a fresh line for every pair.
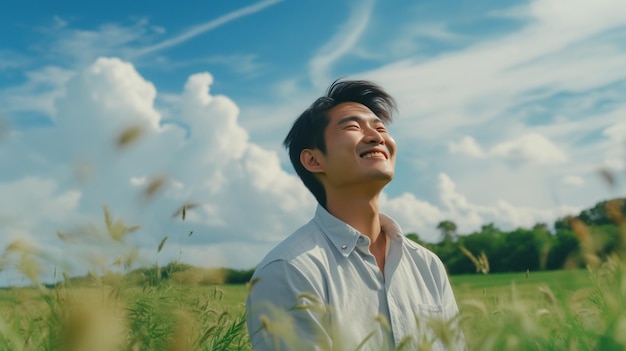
519,311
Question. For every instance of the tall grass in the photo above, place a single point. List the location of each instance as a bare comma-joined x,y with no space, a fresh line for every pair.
158,308
120,317
112,311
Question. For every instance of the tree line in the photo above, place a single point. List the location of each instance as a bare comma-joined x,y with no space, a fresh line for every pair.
571,243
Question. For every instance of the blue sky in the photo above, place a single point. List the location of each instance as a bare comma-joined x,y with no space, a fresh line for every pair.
507,112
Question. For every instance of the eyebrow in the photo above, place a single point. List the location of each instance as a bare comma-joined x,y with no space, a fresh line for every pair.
357,119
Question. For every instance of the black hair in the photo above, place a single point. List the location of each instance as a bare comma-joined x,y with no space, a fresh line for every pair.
307,131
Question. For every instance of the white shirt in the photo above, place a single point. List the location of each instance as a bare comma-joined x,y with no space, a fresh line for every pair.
321,289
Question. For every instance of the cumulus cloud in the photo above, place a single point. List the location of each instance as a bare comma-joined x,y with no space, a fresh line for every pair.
573,180
532,147
243,195
31,202
196,142
420,216
467,146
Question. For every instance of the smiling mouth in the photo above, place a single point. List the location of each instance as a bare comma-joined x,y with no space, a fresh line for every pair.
374,154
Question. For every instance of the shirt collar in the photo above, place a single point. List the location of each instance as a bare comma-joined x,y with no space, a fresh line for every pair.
343,236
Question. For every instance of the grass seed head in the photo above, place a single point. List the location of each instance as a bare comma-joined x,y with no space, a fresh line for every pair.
155,185
548,294
92,322
128,136
162,244
182,336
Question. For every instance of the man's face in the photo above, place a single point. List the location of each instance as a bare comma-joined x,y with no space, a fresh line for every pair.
358,147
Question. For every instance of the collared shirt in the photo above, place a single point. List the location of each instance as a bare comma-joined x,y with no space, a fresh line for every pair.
321,289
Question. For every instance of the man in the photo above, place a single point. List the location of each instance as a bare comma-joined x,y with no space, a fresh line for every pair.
349,279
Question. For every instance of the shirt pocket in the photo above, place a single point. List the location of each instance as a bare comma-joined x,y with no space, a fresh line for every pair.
430,309
431,324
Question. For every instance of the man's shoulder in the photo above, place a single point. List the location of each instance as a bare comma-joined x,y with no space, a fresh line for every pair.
421,252
301,246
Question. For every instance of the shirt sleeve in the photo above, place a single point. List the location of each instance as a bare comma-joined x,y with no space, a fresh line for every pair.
286,311
451,311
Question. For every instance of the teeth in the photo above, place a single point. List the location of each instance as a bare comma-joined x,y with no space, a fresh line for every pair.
373,154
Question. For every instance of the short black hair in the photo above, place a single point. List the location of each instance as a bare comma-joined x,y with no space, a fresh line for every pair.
307,131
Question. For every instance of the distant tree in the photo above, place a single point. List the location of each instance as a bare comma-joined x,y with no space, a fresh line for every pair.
604,212
448,230
522,250
543,242
488,240
490,229
563,223
565,251
541,227
234,276
601,214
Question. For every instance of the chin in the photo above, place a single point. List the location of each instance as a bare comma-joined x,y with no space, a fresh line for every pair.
388,176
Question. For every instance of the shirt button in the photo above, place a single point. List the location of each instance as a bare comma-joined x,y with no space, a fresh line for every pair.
361,240
343,247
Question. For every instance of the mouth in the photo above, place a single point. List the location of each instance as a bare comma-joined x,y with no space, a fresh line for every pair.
374,153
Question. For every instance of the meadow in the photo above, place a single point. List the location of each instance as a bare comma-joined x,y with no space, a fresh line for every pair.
180,308
547,310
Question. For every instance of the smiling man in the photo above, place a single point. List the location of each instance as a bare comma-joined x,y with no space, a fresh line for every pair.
349,278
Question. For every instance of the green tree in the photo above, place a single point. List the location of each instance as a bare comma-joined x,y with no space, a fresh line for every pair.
448,230
565,251
488,240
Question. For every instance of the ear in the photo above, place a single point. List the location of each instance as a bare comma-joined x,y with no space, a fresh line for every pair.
312,160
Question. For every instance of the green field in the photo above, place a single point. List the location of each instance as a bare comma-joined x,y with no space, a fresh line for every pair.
519,311
562,283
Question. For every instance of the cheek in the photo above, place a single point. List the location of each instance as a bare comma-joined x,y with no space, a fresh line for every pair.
391,144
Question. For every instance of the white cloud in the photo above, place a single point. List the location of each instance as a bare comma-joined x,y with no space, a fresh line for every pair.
138,181
248,202
30,203
340,44
573,180
10,59
408,41
614,164
420,216
467,146
59,22
530,147
245,196
616,132
412,213
244,64
78,48
483,82
42,87
438,31
205,27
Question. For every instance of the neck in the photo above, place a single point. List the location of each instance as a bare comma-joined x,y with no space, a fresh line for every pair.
359,212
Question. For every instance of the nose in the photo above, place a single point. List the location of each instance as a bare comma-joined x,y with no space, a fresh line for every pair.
374,137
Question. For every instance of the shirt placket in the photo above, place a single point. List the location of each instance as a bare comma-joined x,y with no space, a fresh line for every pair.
396,311
362,246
